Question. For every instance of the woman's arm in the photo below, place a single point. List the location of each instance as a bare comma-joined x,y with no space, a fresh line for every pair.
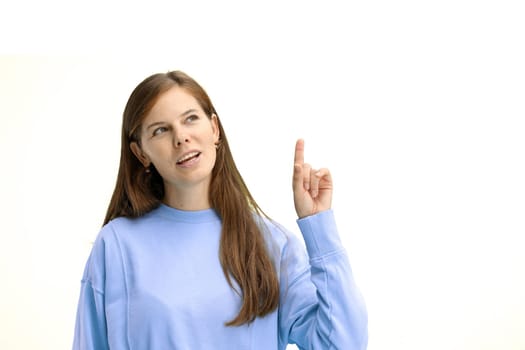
102,293
90,327
321,306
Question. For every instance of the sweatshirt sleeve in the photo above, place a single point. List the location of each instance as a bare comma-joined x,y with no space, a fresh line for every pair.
101,313
90,327
321,306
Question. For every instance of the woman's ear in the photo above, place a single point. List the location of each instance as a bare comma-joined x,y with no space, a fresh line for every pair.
141,156
215,128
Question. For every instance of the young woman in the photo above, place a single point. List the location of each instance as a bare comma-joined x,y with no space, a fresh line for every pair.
186,259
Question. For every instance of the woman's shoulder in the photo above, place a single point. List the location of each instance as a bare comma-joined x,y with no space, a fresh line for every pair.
120,224
126,224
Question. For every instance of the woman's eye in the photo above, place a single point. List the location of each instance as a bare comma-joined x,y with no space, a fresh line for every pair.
192,118
159,131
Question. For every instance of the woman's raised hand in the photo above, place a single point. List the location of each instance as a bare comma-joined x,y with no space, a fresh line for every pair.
312,189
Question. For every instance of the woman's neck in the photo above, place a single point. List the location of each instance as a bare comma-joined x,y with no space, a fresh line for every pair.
189,198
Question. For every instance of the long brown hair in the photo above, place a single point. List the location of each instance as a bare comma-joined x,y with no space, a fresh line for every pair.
243,251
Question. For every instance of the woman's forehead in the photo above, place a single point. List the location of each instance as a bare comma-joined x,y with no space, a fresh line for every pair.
173,103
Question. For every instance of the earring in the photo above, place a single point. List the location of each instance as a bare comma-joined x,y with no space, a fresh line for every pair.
148,170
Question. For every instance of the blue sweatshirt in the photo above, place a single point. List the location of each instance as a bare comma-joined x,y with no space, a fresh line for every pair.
156,283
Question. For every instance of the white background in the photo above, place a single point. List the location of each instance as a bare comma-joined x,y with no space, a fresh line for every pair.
417,108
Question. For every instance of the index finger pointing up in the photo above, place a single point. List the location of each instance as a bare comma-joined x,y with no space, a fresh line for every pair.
299,152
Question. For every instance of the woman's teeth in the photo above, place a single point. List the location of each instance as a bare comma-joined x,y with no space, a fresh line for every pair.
188,157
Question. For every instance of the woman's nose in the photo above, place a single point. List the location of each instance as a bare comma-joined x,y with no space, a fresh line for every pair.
180,138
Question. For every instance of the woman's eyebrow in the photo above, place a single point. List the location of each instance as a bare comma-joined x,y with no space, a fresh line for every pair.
154,124
189,111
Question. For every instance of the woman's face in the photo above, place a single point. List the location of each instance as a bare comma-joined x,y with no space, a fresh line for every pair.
179,140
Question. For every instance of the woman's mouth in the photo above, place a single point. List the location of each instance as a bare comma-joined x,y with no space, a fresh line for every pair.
188,158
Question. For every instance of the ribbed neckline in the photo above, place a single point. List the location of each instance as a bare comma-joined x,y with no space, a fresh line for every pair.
189,216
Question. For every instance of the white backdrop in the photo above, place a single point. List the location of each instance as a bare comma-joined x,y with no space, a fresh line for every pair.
416,109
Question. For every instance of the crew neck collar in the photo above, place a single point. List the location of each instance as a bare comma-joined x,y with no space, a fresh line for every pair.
190,216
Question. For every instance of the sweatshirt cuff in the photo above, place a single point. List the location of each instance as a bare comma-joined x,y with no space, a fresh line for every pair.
320,234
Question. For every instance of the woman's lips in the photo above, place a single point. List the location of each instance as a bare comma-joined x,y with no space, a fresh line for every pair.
189,159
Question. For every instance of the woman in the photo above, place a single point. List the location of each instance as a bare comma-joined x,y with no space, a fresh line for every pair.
186,259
